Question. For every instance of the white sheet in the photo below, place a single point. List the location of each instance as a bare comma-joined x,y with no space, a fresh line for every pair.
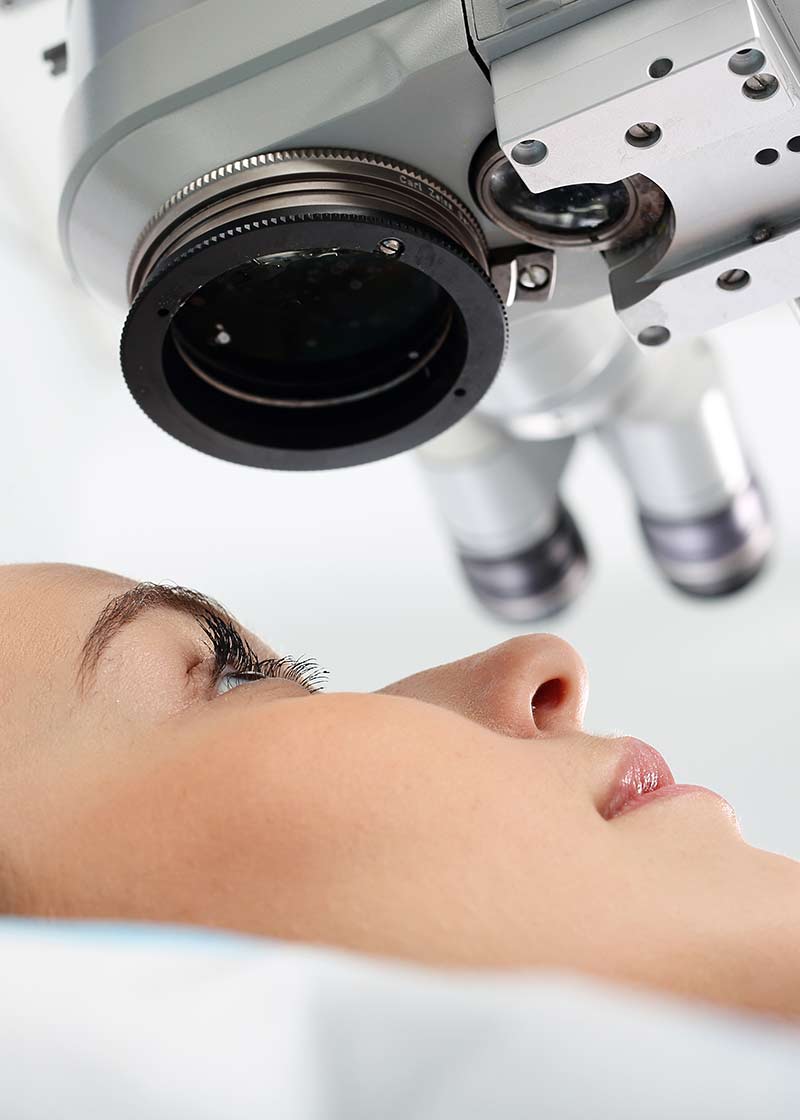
116,1023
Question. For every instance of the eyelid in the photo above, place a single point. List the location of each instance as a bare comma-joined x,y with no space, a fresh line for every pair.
303,671
234,655
225,683
230,648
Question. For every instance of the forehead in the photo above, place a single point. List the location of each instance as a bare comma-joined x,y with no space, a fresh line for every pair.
51,606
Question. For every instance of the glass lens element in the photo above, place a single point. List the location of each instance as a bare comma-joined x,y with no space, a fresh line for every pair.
312,327
582,210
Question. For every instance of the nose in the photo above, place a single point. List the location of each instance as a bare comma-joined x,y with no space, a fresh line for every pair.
526,687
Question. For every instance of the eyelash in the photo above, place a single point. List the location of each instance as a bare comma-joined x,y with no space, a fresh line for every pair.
233,654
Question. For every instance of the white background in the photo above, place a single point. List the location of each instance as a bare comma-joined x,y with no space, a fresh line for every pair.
351,566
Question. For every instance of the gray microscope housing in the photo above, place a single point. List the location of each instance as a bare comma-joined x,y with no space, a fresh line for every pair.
558,198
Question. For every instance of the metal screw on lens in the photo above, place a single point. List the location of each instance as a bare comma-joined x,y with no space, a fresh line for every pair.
391,247
534,277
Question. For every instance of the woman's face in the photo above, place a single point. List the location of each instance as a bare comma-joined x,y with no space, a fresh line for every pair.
461,816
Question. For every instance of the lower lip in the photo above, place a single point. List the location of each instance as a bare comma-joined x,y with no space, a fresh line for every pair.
662,793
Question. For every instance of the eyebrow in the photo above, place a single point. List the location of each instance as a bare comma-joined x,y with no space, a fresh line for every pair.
123,609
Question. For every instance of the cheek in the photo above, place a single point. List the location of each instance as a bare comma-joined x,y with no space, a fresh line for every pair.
395,829
422,798
432,842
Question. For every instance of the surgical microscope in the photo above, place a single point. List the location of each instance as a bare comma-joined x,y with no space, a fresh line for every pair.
343,229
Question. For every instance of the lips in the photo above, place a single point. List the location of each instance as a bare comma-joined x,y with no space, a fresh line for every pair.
642,774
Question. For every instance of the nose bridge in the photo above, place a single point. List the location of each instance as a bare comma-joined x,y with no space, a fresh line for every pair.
526,687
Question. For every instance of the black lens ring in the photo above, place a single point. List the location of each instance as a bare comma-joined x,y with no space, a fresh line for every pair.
145,345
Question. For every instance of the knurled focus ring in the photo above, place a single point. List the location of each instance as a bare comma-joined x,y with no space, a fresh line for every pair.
313,177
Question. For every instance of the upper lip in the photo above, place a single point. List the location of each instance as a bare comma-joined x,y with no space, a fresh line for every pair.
640,769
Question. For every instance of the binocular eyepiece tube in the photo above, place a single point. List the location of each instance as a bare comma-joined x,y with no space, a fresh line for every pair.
666,421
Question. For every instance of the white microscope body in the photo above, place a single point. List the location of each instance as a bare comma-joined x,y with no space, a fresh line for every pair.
481,228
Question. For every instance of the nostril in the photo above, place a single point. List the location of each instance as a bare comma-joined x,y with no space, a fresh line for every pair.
546,700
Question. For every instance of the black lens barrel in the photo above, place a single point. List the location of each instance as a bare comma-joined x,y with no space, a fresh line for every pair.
311,309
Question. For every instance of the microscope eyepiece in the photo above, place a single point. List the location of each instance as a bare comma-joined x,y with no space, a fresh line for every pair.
311,309
536,583
715,555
